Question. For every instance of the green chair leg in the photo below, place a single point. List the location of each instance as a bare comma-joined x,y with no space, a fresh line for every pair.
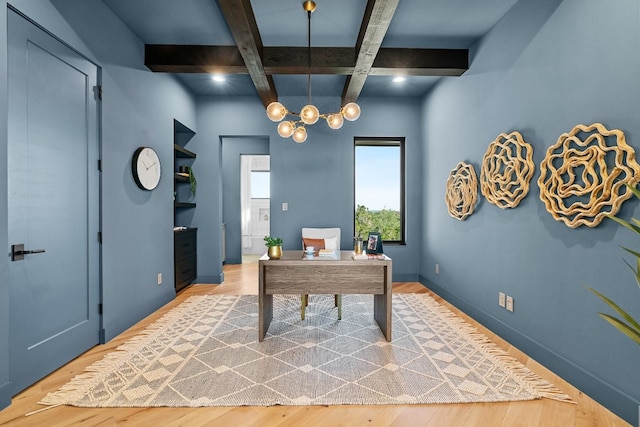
304,301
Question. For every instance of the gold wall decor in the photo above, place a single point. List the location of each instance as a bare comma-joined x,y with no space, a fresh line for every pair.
507,169
462,191
583,175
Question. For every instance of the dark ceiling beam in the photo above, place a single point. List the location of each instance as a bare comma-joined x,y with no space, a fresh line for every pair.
242,23
293,60
376,20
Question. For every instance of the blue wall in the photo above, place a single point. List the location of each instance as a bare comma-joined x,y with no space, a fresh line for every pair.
315,178
232,148
138,109
545,67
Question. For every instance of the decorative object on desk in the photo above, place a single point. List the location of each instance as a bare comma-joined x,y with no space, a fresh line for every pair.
583,175
327,253
145,166
274,245
205,352
374,243
627,325
356,256
188,170
507,168
357,245
462,191
310,252
316,244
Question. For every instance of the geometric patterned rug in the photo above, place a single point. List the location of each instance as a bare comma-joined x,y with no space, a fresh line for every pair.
205,352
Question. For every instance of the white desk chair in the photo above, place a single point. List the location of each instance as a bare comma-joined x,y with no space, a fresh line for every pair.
331,240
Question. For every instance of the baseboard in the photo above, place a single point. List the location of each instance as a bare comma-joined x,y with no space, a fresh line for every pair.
210,279
610,397
5,395
405,277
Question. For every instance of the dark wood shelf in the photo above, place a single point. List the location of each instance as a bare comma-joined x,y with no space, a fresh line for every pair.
183,153
184,205
181,179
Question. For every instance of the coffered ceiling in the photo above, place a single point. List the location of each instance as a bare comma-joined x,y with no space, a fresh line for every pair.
358,46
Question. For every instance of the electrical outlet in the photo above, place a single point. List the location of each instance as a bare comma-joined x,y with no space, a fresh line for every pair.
437,268
159,278
509,301
285,206
502,299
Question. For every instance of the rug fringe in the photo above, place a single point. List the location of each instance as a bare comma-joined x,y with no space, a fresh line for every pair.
78,386
534,383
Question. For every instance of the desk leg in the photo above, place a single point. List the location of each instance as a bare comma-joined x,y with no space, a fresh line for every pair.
265,315
382,306
265,306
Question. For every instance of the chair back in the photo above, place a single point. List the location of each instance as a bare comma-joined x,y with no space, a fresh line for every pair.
322,233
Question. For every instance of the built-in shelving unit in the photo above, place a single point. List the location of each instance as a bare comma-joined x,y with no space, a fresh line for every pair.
185,236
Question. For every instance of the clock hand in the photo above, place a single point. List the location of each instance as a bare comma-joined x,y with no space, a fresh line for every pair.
144,163
148,167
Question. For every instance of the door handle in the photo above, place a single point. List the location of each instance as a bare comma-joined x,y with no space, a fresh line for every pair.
18,252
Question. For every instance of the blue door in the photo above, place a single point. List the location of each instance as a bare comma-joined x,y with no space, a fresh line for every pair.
53,203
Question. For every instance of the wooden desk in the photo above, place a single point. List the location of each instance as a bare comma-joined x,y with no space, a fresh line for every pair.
292,274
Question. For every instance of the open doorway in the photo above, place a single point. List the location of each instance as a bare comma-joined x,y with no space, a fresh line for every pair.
255,204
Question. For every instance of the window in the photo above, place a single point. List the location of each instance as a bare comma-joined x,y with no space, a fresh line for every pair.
260,188
379,188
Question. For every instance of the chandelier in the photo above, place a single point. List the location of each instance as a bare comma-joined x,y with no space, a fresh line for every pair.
309,114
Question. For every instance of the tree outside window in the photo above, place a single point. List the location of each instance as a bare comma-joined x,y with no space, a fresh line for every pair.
379,188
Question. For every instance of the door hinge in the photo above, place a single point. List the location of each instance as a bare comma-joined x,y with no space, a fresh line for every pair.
99,92
100,308
100,165
100,237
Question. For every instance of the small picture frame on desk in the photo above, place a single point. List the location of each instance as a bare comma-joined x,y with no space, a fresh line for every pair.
374,243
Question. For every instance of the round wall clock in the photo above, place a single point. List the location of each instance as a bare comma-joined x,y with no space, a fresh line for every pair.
145,166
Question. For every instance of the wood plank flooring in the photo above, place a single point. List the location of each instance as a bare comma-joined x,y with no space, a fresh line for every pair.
243,280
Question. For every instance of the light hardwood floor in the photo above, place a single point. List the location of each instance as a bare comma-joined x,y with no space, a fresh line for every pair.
243,280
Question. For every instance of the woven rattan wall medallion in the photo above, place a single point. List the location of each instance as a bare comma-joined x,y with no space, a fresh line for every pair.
462,191
507,169
583,174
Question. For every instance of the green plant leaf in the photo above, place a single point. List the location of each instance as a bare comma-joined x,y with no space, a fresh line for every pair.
634,228
622,327
617,308
632,252
636,272
633,189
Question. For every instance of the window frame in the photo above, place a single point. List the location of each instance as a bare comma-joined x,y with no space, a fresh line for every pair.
398,141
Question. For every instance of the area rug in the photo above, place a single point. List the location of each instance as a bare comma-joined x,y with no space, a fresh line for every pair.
205,352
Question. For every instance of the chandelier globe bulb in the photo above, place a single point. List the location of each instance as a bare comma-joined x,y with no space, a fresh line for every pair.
286,128
276,111
300,134
309,114
351,111
335,120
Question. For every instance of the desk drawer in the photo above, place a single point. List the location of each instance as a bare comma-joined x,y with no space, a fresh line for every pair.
334,279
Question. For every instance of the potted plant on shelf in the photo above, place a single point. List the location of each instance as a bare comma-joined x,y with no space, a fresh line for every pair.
193,183
274,245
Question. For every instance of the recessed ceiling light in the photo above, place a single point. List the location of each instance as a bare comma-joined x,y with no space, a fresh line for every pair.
399,79
218,78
